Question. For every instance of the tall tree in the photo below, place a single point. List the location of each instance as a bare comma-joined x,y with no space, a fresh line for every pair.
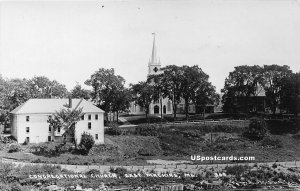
105,84
242,84
13,92
43,87
290,94
121,100
273,78
171,85
143,95
206,95
193,79
79,92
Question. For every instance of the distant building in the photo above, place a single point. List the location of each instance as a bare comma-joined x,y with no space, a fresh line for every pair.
29,120
246,104
165,105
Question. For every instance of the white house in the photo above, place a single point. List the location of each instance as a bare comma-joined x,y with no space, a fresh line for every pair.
29,120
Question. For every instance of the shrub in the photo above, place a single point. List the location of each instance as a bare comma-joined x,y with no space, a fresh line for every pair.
47,149
15,147
113,129
119,171
209,174
236,170
256,130
283,126
192,133
146,152
147,130
274,165
7,140
64,148
4,187
92,171
37,161
87,142
16,187
271,142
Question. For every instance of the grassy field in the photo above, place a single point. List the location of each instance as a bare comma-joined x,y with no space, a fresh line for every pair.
172,142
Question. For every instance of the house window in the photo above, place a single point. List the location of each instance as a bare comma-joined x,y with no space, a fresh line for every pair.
49,129
89,125
96,116
49,138
96,136
82,117
58,129
27,129
89,117
27,118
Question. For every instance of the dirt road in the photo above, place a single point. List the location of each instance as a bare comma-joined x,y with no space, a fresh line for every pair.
157,168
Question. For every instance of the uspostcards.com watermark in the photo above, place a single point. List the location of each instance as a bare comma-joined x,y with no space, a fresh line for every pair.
222,158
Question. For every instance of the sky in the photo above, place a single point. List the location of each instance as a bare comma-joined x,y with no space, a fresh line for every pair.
68,41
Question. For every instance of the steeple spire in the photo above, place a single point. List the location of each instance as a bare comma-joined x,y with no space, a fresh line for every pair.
153,64
153,57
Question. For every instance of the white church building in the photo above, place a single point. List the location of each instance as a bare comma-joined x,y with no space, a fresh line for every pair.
164,105
29,120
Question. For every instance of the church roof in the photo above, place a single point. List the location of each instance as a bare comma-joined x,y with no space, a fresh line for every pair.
47,106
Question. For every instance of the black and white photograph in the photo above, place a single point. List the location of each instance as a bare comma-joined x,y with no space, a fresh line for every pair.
150,95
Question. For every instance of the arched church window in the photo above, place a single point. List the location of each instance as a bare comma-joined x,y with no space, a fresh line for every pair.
169,105
156,109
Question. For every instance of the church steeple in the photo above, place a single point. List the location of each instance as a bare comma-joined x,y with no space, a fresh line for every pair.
154,64
153,57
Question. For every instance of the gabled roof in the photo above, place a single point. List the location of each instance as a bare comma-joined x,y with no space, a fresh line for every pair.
45,106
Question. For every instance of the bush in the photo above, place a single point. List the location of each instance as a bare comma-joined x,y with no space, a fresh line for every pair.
7,140
236,170
15,147
51,149
271,142
87,142
113,129
120,171
47,149
146,152
283,126
147,130
92,171
4,187
256,130
16,187
274,165
64,148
